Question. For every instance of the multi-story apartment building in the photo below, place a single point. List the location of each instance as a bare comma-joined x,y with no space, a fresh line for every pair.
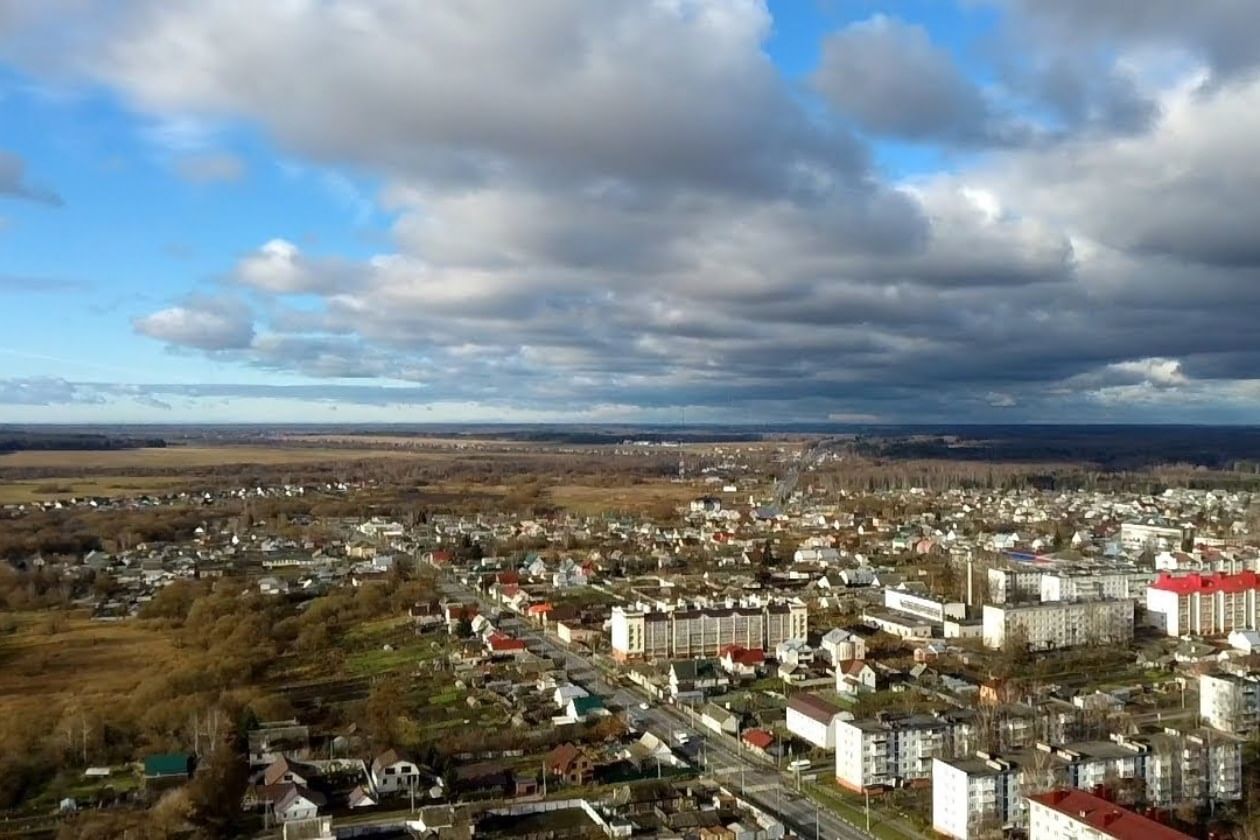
1135,536
1014,585
973,796
1068,814
892,750
1060,624
1230,702
1092,585
704,632
1204,605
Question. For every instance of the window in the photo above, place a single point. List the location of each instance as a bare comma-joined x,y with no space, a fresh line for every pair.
389,771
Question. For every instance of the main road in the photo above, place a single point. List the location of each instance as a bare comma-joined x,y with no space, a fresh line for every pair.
762,785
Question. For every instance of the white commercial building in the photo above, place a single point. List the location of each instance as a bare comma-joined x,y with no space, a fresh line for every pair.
1230,702
1050,626
1138,537
923,606
1204,605
813,719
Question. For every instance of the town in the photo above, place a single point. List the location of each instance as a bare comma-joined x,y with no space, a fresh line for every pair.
774,655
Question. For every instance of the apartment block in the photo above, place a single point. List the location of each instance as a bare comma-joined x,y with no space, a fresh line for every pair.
1204,605
1061,624
973,796
1067,814
1013,585
704,632
1230,702
1094,584
890,751
1138,537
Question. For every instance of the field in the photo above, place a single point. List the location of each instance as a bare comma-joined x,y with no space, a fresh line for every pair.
585,499
47,659
182,457
42,489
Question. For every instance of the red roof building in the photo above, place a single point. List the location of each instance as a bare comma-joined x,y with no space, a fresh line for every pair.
500,643
1080,814
1205,605
758,739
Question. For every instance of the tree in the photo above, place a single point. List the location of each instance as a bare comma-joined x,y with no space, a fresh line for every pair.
216,789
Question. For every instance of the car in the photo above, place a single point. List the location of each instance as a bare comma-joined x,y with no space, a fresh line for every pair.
799,764
645,706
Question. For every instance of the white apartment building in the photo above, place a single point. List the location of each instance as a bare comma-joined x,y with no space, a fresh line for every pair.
1090,585
923,606
813,719
1009,586
1079,815
1230,702
1050,626
1204,605
1138,537
894,750
682,634
973,796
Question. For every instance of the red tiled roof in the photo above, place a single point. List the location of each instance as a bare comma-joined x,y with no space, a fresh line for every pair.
539,609
759,738
1107,817
1207,584
509,577
498,641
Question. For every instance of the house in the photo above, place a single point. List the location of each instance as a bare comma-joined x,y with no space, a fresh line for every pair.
426,615
585,708
361,798
693,677
842,645
167,770
742,662
570,765
855,677
998,691
391,772
500,644
721,721
278,738
283,771
564,693
485,778
1248,641
297,803
813,719
760,741
793,652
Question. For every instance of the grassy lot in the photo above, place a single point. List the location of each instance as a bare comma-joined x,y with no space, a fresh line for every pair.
42,489
589,500
53,658
851,807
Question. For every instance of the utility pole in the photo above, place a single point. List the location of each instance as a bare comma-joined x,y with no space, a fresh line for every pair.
867,794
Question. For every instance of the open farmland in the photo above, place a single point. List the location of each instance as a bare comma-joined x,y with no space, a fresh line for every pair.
182,457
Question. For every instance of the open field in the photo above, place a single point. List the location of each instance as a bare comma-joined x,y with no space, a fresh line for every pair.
40,489
176,457
51,658
585,499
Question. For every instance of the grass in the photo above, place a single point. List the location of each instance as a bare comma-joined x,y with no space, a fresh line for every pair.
586,499
52,658
43,489
850,807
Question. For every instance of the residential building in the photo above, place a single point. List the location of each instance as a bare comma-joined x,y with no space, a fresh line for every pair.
706,631
892,750
1204,605
1093,584
842,646
1068,814
1060,624
813,719
393,772
569,764
856,676
973,796
720,720
1230,702
1014,585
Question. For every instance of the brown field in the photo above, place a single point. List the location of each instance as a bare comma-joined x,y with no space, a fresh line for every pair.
585,499
41,489
175,457
49,660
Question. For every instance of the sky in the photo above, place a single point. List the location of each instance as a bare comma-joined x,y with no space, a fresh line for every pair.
718,211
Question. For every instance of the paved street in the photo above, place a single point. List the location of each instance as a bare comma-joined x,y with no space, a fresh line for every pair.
762,785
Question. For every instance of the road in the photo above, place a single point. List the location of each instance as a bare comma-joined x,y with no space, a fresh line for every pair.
719,757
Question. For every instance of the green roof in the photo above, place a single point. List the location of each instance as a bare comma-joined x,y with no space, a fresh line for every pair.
168,764
585,705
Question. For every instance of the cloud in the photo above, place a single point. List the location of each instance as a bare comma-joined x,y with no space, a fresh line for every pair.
13,182
889,78
11,284
280,267
207,168
211,324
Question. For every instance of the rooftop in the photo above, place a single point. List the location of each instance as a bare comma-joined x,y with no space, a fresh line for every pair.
1208,584
1106,817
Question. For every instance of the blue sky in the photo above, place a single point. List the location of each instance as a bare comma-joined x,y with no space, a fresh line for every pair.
627,211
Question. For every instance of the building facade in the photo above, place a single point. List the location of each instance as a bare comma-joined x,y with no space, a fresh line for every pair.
1230,702
1079,815
892,751
1204,605
1050,626
813,719
704,632
972,796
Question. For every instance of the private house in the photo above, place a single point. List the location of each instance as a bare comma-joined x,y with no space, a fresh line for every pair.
760,742
691,679
569,764
842,645
813,719
721,721
742,662
285,771
297,803
585,708
855,677
391,772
